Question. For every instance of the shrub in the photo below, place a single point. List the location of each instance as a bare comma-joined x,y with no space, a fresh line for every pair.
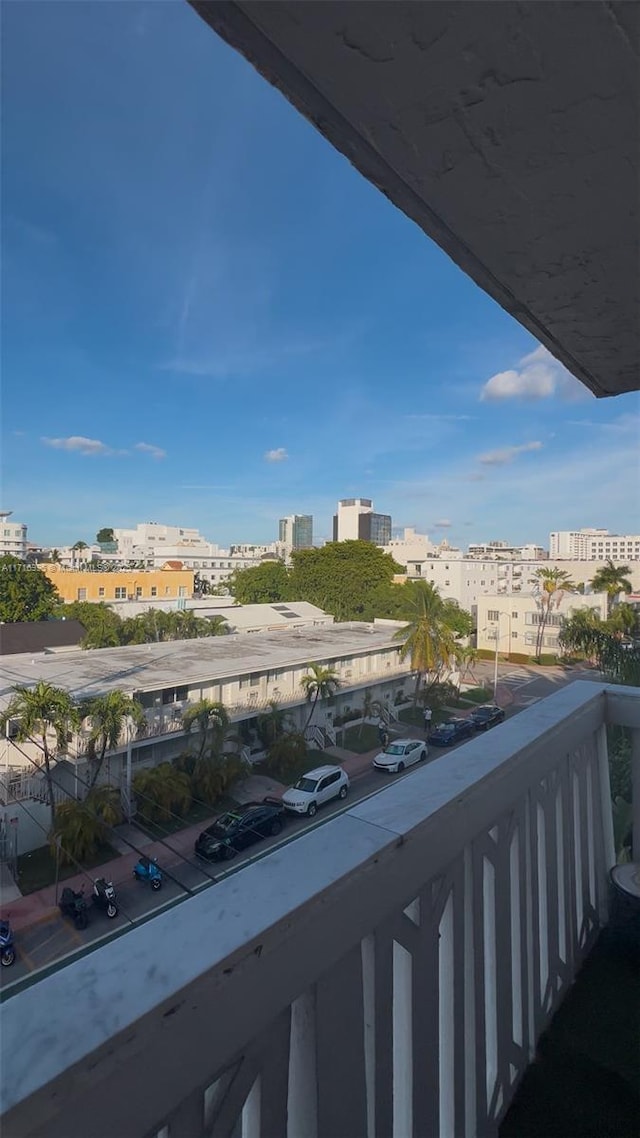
490,654
546,660
518,658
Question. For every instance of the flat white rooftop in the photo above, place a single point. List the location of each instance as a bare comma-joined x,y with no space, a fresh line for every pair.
151,667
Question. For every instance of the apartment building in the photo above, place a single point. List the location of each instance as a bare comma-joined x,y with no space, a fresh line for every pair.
502,551
466,579
357,521
13,536
296,532
170,583
514,620
411,546
243,672
594,545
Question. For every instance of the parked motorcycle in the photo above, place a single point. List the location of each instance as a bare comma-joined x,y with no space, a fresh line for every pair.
147,870
104,896
74,906
7,949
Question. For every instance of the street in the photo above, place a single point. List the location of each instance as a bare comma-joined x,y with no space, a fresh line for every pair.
54,938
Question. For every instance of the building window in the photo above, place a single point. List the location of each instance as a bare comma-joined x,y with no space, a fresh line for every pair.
514,635
167,590
514,615
493,614
138,592
101,591
182,590
121,592
82,594
154,591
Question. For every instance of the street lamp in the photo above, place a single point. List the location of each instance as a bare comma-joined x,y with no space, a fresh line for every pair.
497,637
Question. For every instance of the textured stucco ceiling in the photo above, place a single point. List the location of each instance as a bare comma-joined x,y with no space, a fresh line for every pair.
508,131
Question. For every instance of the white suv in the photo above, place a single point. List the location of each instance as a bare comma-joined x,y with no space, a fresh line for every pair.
314,789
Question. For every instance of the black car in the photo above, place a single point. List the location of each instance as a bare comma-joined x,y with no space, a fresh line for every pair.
485,717
453,731
238,829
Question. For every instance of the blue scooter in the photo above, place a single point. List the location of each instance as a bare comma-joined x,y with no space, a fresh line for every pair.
147,870
7,949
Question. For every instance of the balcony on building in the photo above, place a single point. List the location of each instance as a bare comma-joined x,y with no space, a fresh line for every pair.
388,973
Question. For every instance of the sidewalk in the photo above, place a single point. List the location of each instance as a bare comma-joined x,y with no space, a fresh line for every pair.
41,905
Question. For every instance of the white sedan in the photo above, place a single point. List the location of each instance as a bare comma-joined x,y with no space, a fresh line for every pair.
400,754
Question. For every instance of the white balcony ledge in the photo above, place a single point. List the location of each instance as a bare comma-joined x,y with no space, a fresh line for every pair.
388,973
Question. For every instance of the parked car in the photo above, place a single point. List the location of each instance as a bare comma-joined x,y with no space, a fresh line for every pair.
315,788
486,716
453,731
238,829
400,754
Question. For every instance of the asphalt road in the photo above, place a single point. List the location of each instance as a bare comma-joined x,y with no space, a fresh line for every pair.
54,939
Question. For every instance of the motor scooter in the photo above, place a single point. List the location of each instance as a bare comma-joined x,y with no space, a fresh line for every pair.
147,870
74,906
7,948
104,896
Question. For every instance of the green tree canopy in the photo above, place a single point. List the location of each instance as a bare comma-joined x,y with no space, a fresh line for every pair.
43,714
80,545
26,593
430,639
103,626
612,579
343,577
320,682
263,584
104,535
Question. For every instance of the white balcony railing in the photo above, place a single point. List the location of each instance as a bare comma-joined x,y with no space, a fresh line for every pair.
386,973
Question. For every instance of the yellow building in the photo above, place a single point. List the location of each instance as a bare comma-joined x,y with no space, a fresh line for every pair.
121,585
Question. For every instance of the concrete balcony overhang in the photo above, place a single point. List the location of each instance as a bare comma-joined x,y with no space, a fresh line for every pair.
507,132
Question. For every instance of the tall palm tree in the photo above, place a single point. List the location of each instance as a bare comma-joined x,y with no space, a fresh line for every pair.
428,639
612,580
553,584
81,827
44,715
211,720
623,620
320,682
109,715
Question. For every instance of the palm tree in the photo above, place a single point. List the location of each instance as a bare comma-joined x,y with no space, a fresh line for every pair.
209,718
271,724
162,791
623,620
467,657
80,828
41,712
109,715
428,640
320,682
370,707
285,756
55,557
553,584
580,631
612,580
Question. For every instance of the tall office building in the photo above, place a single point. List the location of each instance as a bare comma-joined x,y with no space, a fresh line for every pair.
296,532
356,520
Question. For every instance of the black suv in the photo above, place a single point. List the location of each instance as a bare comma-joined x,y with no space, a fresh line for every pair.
485,717
240,828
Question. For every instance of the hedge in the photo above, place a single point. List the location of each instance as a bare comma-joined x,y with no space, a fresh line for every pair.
518,658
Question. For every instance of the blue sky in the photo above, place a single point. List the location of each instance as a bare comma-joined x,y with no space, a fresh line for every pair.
210,319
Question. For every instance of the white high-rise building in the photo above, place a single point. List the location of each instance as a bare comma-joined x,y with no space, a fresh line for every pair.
356,521
13,536
594,545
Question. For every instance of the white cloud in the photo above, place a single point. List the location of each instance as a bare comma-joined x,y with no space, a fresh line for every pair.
507,454
277,455
79,444
538,375
149,448
443,523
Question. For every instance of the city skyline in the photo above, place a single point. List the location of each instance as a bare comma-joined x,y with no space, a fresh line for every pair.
210,317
